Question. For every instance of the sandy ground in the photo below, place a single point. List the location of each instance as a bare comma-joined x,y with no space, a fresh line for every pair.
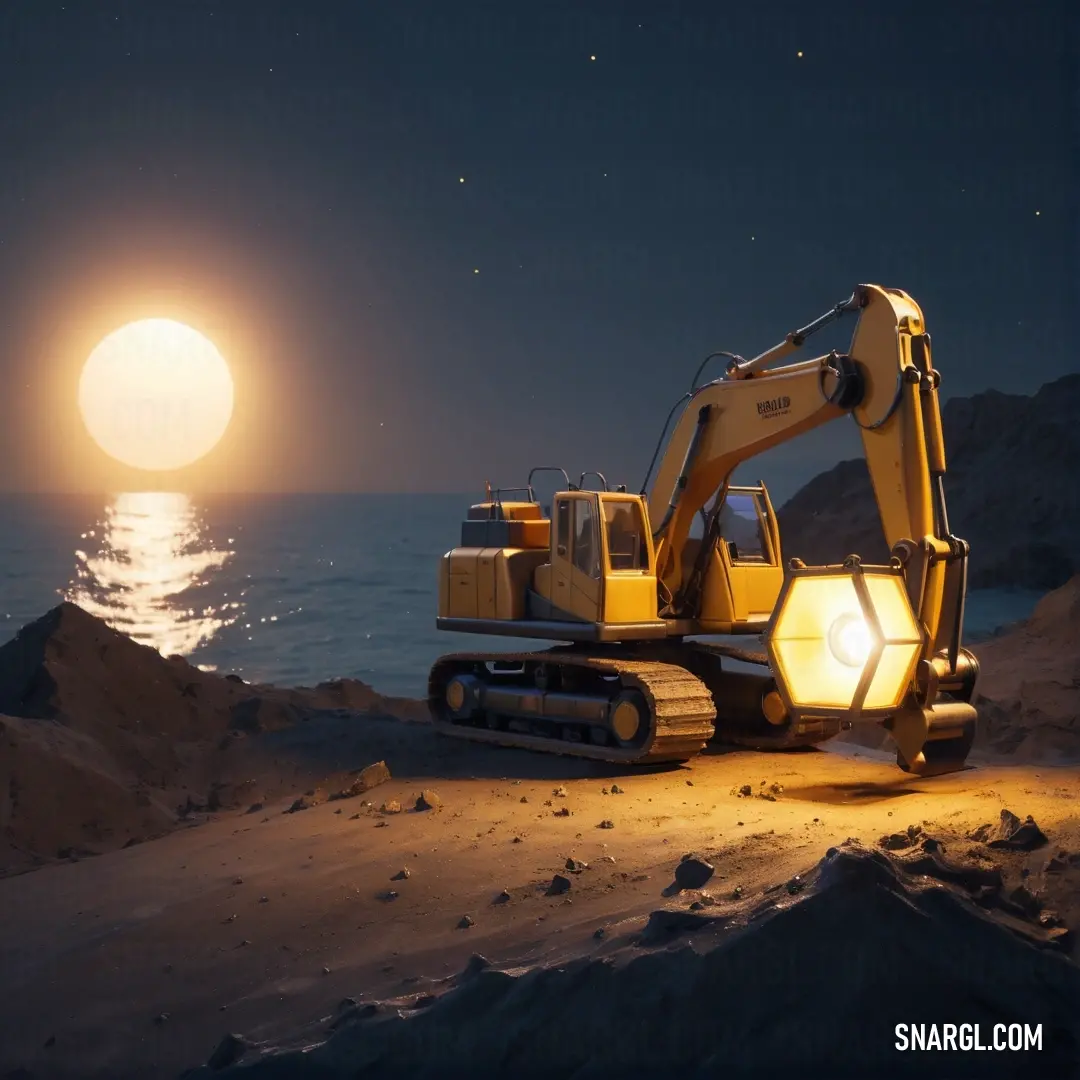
182,892
136,963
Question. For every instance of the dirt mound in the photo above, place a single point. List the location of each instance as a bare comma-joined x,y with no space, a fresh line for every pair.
106,742
818,975
1028,692
72,667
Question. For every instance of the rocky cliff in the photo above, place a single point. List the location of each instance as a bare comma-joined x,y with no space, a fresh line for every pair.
1012,489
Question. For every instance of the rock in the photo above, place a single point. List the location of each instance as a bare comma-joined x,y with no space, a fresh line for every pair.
264,899
255,807
502,898
326,971
575,866
161,1018
305,802
392,806
607,823
401,875
746,791
599,933
474,966
561,812
559,792
697,905
895,841
1025,900
383,824
238,881
388,895
1058,863
664,924
465,922
523,799
353,1013
693,873
559,885
1017,835
428,800
768,796
981,834
616,790
796,885
366,779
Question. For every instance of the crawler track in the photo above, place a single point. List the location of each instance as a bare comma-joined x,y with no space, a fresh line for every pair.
680,710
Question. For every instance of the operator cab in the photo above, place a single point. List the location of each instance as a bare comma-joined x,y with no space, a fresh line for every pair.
602,565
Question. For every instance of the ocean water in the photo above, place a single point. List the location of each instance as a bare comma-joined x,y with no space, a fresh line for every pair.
287,589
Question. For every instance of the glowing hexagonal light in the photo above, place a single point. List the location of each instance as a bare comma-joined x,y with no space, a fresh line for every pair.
844,639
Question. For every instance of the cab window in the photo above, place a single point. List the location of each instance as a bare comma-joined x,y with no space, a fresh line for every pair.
742,525
586,542
562,540
627,548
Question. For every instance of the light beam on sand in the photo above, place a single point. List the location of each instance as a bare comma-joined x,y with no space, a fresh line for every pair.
152,559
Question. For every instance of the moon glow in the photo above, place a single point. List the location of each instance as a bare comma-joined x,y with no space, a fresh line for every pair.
156,394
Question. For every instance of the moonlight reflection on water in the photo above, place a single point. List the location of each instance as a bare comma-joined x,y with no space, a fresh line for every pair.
152,574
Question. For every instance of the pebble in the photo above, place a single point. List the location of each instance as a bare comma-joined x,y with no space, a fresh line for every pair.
465,922
428,800
559,885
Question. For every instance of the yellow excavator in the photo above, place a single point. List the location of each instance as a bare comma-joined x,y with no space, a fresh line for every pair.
620,580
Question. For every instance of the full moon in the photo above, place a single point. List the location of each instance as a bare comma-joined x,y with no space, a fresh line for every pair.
156,395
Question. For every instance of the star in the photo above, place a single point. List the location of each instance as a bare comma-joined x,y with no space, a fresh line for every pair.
461,179
476,271
592,57
799,54
1038,212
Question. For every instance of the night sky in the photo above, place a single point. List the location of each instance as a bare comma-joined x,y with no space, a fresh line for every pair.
439,242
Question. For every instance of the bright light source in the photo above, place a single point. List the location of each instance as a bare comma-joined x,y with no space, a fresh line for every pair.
844,640
849,639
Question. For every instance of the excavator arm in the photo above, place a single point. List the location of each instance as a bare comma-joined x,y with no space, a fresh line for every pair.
887,382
